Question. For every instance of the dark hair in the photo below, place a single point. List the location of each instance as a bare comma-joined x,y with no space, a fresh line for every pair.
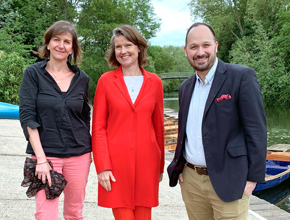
131,34
60,27
196,25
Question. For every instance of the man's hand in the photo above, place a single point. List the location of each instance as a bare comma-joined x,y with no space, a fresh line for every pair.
249,188
180,178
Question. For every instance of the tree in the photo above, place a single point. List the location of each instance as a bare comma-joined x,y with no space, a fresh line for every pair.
94,65
266,11
23,22
96,22
180,61
98,18
254,33
10,42
9,45
146,21
37,15
11,69
153,52
258,52
164,63
231,19
7,14
281,37
226,18
169,59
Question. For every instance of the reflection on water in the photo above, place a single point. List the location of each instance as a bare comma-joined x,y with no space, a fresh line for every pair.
278,122
278,195
171,103
278,125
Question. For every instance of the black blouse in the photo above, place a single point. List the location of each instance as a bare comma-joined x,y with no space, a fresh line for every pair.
62,119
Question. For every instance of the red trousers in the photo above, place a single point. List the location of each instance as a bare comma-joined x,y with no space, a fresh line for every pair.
139,213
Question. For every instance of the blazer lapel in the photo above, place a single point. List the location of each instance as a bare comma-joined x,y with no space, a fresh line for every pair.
186,98
120,83
219,78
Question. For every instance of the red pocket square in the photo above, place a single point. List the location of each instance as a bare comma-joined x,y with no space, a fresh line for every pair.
223,97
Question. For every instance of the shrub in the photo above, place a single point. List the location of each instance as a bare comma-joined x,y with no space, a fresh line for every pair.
11,71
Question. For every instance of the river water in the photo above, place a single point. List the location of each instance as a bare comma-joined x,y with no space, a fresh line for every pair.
278,125
278,122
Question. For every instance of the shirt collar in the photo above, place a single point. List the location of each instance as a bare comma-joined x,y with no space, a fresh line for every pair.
74,68
210,75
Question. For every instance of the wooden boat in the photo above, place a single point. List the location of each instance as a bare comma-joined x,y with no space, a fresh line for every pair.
277,170
276,195
9,111
276,173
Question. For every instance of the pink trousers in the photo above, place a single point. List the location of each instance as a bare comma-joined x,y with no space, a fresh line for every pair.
76,171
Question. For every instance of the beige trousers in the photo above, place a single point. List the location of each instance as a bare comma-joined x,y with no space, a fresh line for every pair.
202,202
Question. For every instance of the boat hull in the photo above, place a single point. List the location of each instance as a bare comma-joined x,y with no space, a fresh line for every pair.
9,111
276,173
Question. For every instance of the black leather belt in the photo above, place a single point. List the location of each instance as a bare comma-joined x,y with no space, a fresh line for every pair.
198,169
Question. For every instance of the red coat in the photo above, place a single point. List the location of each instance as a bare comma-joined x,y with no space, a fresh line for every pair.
128,139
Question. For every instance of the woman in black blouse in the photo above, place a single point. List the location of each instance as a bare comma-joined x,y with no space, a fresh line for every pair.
55,117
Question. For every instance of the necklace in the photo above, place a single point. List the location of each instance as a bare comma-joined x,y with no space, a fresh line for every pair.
132,82
59,76
55,79
133,88
60,79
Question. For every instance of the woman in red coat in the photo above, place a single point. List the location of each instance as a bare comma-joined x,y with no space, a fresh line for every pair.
128,129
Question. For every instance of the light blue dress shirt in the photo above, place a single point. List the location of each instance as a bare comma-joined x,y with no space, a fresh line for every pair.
194,151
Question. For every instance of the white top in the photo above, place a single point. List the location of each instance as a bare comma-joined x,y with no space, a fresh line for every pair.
194,151
134,84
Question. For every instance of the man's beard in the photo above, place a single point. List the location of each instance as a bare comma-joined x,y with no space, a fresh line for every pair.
202,67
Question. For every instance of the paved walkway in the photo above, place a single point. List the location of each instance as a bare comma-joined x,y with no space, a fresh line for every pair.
14,205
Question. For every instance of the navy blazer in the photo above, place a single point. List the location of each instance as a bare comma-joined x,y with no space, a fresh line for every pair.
234,131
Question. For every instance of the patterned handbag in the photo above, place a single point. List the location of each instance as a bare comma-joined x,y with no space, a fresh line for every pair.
34,184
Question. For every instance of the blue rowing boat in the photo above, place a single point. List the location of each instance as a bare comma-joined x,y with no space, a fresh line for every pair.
9,111
276,173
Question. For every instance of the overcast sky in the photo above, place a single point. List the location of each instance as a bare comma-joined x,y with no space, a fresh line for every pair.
175,20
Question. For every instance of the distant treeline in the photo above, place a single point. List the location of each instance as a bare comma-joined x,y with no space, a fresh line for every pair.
250,32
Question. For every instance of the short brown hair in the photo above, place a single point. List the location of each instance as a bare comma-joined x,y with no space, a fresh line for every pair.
131,34
60,27
199,24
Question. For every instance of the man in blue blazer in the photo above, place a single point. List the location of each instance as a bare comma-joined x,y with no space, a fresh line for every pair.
222,135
